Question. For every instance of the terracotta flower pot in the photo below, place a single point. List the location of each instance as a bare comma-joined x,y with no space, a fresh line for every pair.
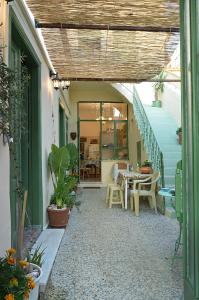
58,217
146,170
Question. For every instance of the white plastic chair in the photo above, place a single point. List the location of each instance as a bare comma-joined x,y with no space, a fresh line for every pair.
138,191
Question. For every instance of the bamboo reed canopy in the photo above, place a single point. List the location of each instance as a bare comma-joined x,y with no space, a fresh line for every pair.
106,39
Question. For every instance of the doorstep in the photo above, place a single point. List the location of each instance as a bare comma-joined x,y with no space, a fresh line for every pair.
49,240
91,184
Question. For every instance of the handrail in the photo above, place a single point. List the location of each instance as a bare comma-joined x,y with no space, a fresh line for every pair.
149,139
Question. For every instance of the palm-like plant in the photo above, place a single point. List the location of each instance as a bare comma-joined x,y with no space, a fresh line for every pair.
59,161
159,85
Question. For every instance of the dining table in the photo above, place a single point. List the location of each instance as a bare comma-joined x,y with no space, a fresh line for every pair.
128,176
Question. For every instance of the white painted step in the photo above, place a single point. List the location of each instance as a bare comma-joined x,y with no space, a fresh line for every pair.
49,240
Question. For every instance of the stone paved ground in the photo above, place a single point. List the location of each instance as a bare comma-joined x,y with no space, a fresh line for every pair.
109,254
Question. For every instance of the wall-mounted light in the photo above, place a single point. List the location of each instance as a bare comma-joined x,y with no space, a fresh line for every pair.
65,84
55,79
58,83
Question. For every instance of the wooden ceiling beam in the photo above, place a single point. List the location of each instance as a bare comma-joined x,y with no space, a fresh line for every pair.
121,80
106,27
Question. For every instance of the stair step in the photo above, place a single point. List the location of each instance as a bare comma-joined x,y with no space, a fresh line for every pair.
169,171
170,162
176,155
169,180
171,147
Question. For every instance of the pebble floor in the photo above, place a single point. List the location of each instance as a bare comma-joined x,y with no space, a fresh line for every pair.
109,254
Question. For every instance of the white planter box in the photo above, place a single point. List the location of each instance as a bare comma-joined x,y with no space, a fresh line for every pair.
34,294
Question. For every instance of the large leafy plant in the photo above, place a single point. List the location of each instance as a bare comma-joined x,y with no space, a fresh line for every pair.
159,85
72,149
59,162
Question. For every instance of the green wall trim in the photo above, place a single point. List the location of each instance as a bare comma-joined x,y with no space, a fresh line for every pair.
189,12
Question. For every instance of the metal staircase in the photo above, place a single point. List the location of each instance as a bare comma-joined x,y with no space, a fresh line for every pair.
157,129
149,139
146,131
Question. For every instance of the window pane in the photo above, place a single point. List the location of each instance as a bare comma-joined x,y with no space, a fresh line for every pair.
89,111
121,153
107,140
114,111
107,154
121,134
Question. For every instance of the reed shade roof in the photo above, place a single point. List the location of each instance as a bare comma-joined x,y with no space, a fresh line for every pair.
115,55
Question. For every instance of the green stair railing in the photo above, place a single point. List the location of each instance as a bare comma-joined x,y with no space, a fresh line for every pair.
149,139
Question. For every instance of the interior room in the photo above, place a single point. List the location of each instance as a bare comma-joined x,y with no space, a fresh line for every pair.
103,136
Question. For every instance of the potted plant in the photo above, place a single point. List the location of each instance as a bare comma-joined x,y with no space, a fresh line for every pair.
146,167
18,278
61,200
35,258
179,134
159,88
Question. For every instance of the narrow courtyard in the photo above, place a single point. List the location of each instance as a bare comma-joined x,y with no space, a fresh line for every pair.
109,254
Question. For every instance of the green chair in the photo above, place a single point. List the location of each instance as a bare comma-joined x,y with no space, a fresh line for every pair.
178,203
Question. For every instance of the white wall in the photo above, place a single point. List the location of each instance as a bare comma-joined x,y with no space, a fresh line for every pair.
146,92
49,103
5,222
171,101
134,137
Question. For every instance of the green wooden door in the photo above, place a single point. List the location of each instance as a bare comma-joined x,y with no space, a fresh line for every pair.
66,134
28,145
190,129
21,114
15,64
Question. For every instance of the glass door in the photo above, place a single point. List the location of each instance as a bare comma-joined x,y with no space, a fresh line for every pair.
90,162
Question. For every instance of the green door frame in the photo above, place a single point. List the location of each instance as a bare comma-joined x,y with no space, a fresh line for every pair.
189,10
66,127
35,199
